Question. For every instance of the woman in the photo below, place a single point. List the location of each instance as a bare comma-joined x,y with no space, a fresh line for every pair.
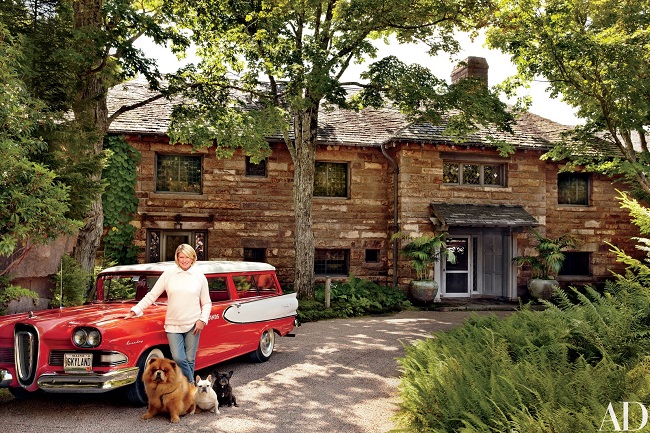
188,307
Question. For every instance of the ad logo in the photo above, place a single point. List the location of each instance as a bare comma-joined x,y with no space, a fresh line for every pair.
611,420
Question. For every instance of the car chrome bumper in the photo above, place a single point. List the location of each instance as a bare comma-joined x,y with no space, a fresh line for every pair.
5,378
87,383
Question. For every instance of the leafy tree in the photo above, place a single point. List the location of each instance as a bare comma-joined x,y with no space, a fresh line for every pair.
267,67
102,37
33,202
594,54
75,51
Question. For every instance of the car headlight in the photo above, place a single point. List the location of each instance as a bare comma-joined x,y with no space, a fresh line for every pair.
86,337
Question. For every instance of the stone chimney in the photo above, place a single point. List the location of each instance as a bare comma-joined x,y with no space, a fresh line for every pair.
471,67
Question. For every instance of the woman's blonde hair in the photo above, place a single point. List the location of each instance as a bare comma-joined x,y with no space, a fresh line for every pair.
187,250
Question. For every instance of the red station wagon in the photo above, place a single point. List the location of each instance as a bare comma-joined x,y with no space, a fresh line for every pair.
92,349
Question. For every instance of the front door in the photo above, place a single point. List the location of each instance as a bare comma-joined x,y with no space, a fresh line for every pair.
161,244
482,264
494,264
458,275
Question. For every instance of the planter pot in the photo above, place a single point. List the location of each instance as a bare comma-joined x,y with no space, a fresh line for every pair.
541,289
424,290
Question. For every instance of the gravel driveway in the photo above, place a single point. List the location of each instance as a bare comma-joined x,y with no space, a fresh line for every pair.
334,376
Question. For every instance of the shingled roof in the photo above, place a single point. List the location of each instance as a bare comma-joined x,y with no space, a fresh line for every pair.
477,215
530,131
368,127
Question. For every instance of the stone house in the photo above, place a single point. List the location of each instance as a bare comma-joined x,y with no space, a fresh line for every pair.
376,173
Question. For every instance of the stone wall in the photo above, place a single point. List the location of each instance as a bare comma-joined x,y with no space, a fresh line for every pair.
531,183
257,212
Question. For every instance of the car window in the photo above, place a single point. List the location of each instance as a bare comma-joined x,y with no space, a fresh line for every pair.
245,285
128,287
121,288
265,283
218,289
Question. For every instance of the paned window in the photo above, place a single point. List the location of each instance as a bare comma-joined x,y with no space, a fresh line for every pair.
465,173
332,262
178,173
331,179
161,244
573,188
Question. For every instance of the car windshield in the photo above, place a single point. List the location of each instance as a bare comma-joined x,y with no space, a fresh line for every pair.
127,287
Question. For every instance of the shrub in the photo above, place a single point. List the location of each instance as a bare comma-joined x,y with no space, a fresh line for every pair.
354,297
9,292
72,282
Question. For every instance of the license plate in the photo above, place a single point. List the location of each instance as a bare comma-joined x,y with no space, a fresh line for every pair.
77,362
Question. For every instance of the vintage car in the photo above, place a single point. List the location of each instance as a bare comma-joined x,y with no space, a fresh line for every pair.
92,348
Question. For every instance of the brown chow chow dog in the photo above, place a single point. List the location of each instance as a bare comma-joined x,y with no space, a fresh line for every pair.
168,390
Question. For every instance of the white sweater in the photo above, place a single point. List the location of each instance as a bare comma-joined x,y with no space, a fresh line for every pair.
188,299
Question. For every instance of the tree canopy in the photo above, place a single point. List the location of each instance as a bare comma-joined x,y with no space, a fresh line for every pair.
266,67
33,201
72,53
595,55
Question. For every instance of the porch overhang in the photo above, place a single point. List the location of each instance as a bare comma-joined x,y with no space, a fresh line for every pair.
445,215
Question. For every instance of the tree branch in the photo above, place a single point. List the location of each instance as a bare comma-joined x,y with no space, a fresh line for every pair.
124,108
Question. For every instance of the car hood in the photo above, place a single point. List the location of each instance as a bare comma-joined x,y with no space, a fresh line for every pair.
103,316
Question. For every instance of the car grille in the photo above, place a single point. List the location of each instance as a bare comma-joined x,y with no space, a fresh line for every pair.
7,355
25,353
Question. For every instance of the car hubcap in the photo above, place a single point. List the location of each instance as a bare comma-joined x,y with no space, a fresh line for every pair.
266,343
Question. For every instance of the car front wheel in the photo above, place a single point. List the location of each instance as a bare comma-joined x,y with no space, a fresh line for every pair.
265,347
136,393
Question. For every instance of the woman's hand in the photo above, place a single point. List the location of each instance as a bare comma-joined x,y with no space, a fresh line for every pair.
198,326
131,314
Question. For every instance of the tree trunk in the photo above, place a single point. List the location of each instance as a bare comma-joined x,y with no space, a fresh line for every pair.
91,113
305,127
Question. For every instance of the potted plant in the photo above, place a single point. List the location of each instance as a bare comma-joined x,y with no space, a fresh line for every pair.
546,264
424,251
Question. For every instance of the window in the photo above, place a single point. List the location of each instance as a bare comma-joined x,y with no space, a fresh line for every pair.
573,188
332,262
331,179
265,283
245,285
372,256
464,173
178,173
255,169
255,254
218,289
576,263
254,285
162,244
